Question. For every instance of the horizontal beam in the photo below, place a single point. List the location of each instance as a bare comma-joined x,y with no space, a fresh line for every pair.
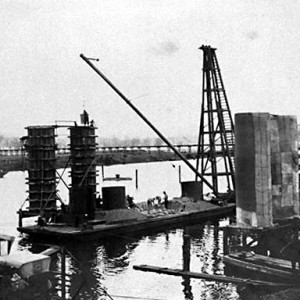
210,277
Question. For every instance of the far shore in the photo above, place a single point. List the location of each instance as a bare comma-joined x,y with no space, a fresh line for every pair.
19,163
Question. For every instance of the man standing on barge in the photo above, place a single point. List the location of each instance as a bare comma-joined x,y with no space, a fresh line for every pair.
166,200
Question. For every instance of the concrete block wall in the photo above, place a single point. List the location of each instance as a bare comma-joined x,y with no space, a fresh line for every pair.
253,169
285,182
267,186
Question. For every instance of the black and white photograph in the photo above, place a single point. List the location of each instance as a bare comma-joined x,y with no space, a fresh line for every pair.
149,150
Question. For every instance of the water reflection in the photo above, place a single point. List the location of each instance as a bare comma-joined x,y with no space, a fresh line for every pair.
207,241
187,289
107,265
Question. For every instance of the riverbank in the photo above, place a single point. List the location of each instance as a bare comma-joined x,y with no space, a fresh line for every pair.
19,163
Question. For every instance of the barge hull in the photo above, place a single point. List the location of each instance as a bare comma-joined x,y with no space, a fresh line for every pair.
105,230
263,267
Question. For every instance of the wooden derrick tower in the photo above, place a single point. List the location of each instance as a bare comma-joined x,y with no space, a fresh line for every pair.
215,158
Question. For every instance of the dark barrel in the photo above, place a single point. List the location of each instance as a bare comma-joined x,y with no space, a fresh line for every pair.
82,201
191,189
113,197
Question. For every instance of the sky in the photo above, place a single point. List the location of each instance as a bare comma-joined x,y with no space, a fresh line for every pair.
149,50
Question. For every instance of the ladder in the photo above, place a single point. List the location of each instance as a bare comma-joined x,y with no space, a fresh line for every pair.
216,127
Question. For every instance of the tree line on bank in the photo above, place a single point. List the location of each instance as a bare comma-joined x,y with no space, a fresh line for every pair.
63,142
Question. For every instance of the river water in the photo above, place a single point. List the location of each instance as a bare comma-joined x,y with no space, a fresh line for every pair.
108,264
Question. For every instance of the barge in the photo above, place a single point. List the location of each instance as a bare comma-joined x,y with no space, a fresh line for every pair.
131,223
263,267
86,215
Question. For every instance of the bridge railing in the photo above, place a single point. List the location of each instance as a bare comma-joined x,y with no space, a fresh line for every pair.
11,151
192,148
62,151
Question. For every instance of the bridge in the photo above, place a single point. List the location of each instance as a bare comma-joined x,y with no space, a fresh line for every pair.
63,151
13,159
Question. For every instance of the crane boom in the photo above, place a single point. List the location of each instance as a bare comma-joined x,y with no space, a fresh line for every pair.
87,60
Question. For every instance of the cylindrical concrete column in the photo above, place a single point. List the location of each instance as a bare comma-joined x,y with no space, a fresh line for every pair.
83,168
41,148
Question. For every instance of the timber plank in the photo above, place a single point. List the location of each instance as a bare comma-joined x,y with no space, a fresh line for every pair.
261,269
267,261
210,277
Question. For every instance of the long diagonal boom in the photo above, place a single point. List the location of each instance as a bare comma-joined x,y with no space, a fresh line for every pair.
87,60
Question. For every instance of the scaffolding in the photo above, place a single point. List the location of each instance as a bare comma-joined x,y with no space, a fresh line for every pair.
215,155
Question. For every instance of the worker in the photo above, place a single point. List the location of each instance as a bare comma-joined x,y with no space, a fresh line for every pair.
166,200
42,221
85,118
130,202
158,198
150,202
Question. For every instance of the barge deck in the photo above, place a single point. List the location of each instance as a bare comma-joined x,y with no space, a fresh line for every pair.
94,229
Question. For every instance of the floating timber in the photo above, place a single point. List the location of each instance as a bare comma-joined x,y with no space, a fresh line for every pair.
213,277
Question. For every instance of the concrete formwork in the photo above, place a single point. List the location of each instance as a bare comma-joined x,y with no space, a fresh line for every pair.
41,182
